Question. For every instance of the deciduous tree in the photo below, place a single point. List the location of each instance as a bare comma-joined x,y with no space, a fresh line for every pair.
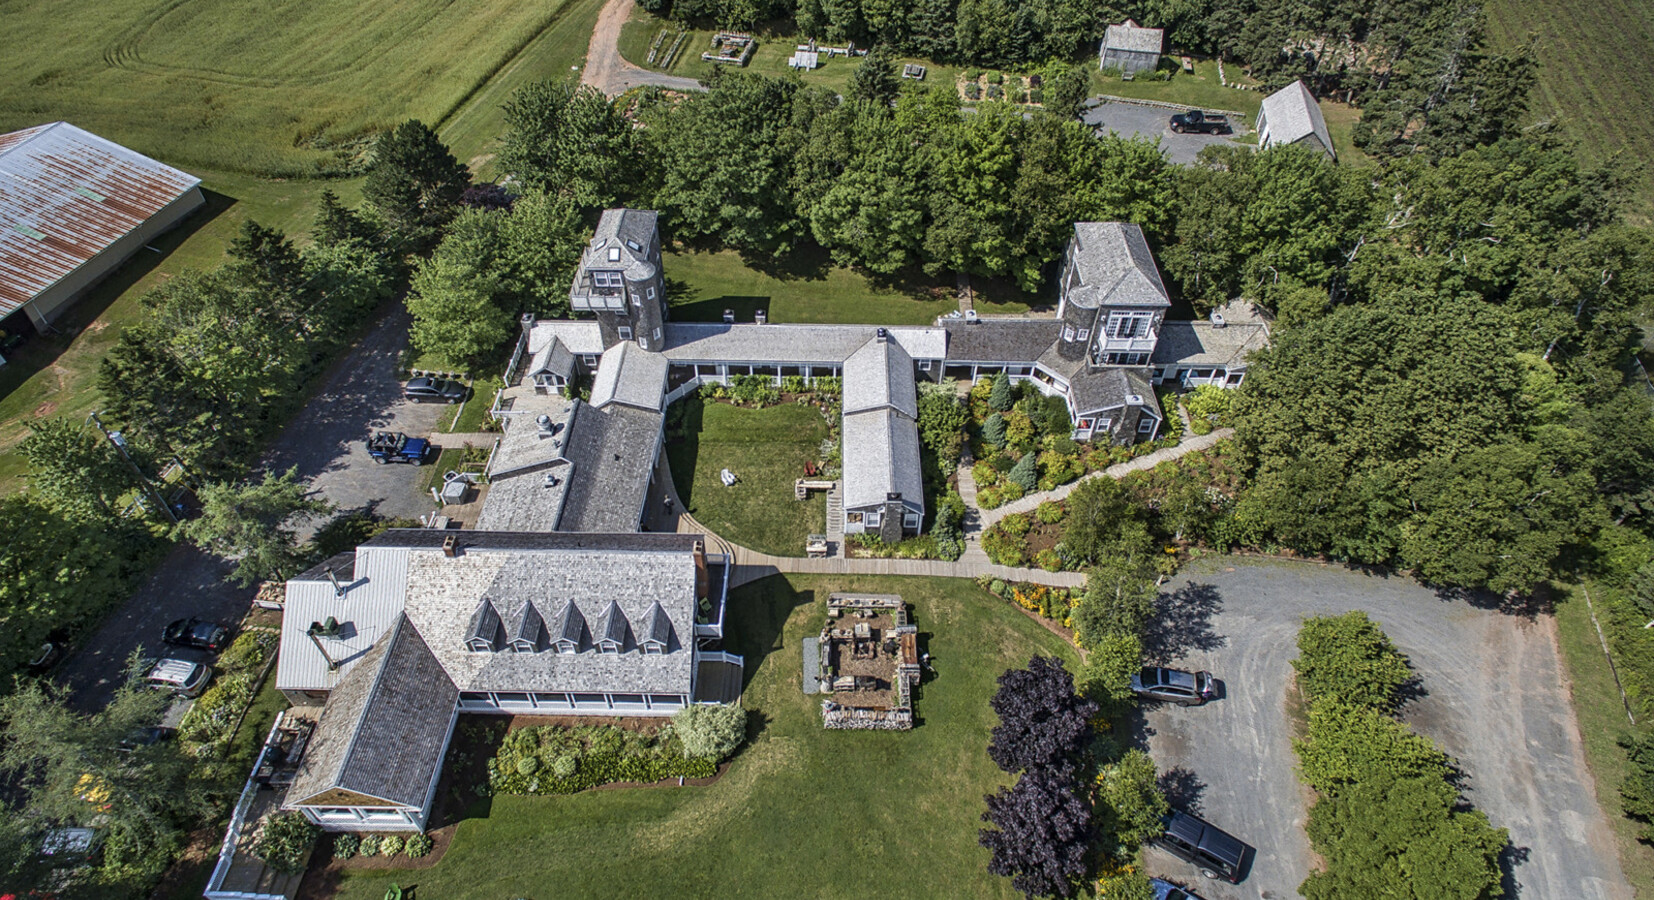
1041,831
1043,723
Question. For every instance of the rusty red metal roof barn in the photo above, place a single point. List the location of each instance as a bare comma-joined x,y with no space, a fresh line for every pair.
73,206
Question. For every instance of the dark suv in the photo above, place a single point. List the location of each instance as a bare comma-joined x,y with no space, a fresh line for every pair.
197,633
433,390
1217,853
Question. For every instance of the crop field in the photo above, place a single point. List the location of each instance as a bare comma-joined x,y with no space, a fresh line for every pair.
1594,75
277,88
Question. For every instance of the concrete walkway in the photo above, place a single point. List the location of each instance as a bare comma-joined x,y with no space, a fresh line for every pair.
1028,502
608,71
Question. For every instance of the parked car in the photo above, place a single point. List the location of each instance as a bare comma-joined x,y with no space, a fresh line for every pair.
182,677
1174,685
1200,122
394,446
146,737
1217,853
197,633
434,390
1165,890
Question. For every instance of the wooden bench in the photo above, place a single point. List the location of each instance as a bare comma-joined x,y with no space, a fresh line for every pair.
803,486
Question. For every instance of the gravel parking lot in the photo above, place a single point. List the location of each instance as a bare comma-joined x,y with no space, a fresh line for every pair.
1495,699
326,441
1129,119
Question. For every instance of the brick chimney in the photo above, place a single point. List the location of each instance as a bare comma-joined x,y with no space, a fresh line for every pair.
450,546
703,589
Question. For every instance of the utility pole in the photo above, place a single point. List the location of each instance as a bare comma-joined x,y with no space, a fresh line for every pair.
149,489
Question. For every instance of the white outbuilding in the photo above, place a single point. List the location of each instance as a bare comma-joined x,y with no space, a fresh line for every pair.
1291,116
73,207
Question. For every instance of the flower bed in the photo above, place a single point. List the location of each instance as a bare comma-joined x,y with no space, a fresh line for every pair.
212,719
1054,603
553,759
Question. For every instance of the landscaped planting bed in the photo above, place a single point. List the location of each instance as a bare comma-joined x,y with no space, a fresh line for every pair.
554,759
213,718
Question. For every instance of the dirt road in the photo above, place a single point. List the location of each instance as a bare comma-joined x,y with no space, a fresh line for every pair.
608,71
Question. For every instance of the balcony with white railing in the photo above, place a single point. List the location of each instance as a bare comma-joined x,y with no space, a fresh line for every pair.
709,615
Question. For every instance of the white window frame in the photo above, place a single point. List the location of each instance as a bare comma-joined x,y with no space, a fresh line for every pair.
911,520
1084,424
605,279
873,519
1105,423
924,365
625,332
1085,333
589,360
651,292
1146,425
657,334
1068,332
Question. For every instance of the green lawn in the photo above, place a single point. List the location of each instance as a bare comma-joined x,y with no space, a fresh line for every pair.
1601,721
801,811
1594,76
267,87
767,450
475,409
1199,89
770,57
808,288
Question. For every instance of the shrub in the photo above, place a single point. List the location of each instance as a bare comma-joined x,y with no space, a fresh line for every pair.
210,719
1036,96
565,765
1049,512
996,78
1025,472
1349,659
417,845
984,474
1016,524
710,732
1012,491
973,74
284,840
1048,560
528,765
370,845
1209,403
792,384
990,498
993,430
390,845
973,91
247,652
1002,547
1019,97
345,845
998,588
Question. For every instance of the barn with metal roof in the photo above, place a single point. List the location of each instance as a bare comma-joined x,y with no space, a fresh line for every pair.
73,207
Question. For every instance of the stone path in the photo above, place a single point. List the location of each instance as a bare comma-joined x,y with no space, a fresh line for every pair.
1028,502
608,71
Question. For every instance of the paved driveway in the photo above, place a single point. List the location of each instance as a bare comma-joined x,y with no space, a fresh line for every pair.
1129,119
326,441
1495,699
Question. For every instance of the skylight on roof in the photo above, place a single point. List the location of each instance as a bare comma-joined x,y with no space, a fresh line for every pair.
29,232
90,194
635,246
614,254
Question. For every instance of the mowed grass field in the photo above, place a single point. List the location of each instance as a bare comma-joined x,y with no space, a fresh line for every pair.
263,87
197,113
801,811
1594,74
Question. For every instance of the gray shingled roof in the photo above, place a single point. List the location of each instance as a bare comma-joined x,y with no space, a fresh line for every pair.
520,496
1001,341
880,374
1103,389
504,542
555,357
613,452
1292,115
631,375
881,456
620,229
609,588
1187,344
584,336
1115,267
384,730
821,345
1133,38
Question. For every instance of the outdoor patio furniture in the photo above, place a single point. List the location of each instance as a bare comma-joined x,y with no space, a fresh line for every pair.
727,477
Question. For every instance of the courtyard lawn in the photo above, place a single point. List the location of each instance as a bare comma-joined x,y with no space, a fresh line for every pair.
809,288
800,811
1202,88
767,450
281,88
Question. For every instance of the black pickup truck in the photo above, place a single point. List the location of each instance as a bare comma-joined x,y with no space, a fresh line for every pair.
1200,123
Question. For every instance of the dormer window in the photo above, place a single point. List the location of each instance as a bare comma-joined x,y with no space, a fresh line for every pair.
529,631
614,254
635,246
483,634
610,633
567,629
656,635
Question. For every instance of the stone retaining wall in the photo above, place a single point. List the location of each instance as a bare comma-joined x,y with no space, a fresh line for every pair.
849,717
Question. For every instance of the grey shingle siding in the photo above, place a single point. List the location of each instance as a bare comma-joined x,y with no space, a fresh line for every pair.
821,345
881,456
1291,115
1110,264
880,374
631,376
613,452
483,632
